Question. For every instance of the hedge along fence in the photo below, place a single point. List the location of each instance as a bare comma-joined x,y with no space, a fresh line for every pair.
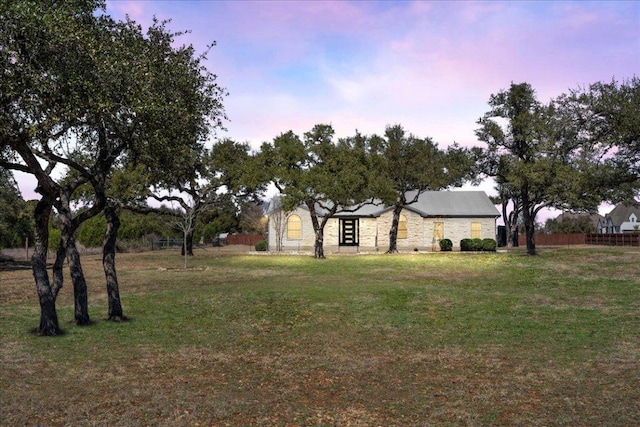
619,239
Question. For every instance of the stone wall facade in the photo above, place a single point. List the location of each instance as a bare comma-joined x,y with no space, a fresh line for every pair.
374,233
305,242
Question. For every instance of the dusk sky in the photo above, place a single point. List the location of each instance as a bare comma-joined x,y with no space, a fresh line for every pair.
362,65
430,66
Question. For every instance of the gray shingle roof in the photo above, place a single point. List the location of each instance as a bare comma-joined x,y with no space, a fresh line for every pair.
621,213
439,204
369,210
454,203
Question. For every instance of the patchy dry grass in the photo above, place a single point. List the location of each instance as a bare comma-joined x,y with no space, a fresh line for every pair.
370,340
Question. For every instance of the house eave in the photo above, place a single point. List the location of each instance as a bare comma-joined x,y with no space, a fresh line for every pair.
461,216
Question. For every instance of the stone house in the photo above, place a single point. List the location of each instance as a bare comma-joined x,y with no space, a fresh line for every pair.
436,215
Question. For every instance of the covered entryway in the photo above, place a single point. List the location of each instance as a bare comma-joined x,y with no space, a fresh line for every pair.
349,232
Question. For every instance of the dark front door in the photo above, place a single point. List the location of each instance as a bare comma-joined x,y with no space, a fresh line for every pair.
349,232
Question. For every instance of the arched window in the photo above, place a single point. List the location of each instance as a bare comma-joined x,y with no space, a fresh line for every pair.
402,227
294,227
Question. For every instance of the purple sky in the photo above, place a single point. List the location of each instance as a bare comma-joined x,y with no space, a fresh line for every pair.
430,66
361,65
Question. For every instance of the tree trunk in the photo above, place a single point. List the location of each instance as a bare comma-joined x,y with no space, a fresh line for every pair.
58,275
393,232
109,264
277,218
188,235
81,299
319,244
61,252
511,222
513,236
512,230
507,223
68,245
318,229
529,225
190,242
48,316
49,325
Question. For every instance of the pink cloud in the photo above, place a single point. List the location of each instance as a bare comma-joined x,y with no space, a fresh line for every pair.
135,9
411,62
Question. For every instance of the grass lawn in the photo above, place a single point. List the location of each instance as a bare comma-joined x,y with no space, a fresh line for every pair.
353,340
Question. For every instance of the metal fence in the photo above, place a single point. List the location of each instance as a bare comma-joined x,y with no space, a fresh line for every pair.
165,243
619,239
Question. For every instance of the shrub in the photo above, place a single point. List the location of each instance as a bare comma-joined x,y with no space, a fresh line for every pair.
446,245
261,246
54,238
476,244
210,232
466,245
91,232
489,245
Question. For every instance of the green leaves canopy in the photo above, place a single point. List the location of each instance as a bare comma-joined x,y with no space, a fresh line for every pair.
410,164
317,168
604,121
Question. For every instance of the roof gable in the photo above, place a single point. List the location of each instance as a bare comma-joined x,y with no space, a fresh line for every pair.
621,213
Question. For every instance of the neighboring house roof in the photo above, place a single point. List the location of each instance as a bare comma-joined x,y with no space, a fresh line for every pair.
621,213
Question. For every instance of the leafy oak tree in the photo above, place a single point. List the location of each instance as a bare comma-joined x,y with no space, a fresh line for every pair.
324,176
166,151
517,136
40,47
192,193
534,160
604,119
572,154
408,166
81,91
223,173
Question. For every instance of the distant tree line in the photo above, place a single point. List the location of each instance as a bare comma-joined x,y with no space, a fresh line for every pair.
565,224
106,116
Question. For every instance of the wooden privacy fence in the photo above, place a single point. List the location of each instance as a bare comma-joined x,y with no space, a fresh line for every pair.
619,239
555,239
627,239
244,239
